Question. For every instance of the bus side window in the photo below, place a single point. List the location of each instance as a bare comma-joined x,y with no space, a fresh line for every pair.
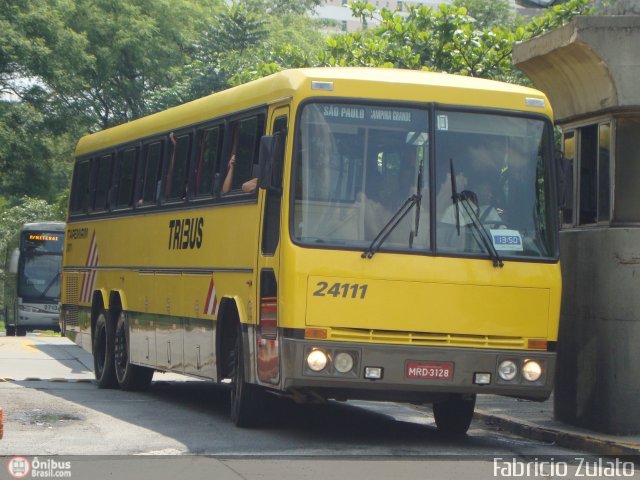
125,177
150,174
245,144
102,182
175,185
208,156
80,194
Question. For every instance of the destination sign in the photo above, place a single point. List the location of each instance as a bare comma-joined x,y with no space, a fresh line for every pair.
374,115
43,237
42,242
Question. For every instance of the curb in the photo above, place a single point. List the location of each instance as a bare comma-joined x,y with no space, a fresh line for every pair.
562,438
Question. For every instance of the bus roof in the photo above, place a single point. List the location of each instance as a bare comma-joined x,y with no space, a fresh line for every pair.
348,82
44,225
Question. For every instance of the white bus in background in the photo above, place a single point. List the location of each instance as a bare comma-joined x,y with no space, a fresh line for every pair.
32,278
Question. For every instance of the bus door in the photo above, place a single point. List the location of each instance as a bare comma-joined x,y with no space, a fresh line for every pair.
267,351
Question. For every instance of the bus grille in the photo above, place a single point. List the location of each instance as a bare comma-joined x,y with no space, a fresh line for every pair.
72,296
424,338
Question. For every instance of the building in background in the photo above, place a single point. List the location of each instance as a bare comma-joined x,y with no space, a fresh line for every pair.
338,12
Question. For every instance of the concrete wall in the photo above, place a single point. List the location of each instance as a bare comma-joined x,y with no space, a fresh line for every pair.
597,377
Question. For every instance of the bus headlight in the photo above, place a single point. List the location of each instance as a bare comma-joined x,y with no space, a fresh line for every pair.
532,371
343,362
507,370
317,360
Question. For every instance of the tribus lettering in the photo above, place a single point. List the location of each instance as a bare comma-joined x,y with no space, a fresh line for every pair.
185,233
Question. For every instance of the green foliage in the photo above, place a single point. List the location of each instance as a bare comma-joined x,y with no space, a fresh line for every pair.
98,60
282,7
444,39
34,161
249,40
489,13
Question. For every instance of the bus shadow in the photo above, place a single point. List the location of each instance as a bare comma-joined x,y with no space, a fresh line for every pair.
196,414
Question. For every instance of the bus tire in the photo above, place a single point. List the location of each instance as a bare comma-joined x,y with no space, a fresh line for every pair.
247,400
130,377
21,331
453,416
103,362
11,331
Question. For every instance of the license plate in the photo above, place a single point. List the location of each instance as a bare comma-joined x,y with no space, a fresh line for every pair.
430,370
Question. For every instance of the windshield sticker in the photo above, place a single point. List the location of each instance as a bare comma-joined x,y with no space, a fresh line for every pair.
390,115
372,114
506,240
443,122
345,111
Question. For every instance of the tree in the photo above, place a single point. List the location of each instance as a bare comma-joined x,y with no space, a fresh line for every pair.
282,7
248,40
444,39
101,59
34,161
489,13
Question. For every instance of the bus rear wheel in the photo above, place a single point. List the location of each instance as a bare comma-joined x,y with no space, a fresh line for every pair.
453,416
129,376
11,331
247,400
103,349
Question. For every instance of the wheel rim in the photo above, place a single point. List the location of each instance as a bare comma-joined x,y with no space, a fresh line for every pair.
101,349
120,351
237,379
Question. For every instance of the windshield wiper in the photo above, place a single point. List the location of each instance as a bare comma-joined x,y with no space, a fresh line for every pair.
393,222
460,198
454,195
485,237
49,285
414,233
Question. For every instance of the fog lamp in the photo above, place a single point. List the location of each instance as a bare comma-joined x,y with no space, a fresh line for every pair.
373,373
507,370
532,371
343,362
317,360
482,378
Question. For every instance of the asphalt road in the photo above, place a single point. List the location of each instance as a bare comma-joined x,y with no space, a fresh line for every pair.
51,407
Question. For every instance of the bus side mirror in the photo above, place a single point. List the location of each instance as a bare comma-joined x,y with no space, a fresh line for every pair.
271,159
13,261
563,178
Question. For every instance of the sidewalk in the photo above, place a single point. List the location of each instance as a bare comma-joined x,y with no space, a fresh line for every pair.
535,420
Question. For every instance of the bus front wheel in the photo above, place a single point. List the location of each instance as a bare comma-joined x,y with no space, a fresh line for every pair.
103,352
247,400
129,376
453,416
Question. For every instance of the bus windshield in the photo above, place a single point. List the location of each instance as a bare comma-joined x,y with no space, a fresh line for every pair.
356,165
39,267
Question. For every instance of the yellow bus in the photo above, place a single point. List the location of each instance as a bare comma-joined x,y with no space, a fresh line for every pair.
401,244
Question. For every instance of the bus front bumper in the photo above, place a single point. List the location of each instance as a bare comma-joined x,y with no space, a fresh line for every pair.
36,319
410,373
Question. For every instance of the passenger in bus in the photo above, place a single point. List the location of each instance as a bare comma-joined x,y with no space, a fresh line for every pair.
393,191
480,197
247,187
